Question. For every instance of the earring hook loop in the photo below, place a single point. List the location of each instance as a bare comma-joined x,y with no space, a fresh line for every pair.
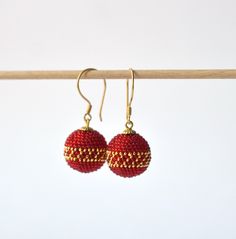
88,116
129,124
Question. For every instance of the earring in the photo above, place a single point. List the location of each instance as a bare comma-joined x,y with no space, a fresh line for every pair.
128,154
85,148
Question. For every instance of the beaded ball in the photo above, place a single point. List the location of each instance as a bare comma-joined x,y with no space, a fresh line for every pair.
128,155
85,150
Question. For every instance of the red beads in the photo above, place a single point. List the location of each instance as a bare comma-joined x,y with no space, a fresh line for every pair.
85,150
128,155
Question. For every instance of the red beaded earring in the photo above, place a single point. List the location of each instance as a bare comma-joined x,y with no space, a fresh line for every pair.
85,148
128,154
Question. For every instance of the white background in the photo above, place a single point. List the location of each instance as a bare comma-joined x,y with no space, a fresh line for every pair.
189,190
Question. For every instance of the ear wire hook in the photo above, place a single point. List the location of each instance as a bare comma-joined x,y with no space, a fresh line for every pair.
129,123
87,116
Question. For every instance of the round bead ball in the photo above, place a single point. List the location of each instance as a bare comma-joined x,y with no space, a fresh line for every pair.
128,155
85,150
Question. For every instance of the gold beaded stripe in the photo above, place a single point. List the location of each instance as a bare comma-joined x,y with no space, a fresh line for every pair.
142,159
84,154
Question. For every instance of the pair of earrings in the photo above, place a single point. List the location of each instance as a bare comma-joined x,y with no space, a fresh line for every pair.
128,154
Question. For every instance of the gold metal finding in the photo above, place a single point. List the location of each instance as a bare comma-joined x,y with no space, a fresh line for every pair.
129,124
88,116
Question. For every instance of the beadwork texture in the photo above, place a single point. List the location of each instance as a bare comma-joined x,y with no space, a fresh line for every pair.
85,150
128,155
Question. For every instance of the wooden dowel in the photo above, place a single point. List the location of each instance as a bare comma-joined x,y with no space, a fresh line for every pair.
121,74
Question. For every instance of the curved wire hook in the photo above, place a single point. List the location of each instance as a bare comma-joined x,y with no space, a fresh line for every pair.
129,124
87,116
129,101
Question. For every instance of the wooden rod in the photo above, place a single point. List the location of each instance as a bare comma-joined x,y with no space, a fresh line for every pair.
121,74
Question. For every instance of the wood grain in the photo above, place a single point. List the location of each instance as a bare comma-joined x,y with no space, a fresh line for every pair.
120,74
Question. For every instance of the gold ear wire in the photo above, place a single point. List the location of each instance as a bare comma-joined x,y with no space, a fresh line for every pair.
103,97
132,92
87,116
129,123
